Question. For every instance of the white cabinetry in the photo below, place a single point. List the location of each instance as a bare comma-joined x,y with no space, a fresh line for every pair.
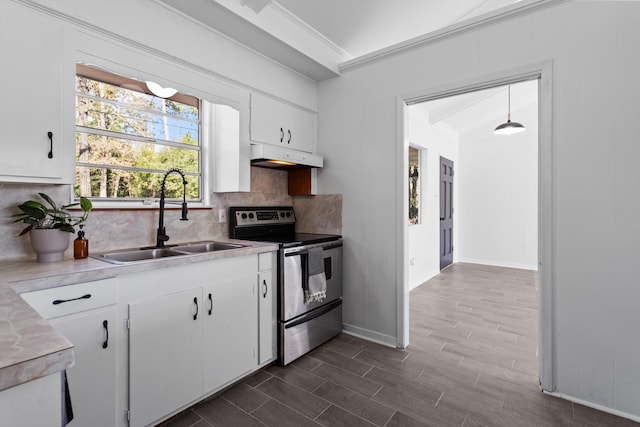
37,97
165,354
266,308
35,403
276,123
85,314
230,327
184,345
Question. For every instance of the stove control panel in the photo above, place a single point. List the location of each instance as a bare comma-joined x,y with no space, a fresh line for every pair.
262,216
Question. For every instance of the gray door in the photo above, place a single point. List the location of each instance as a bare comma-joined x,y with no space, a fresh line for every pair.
446,212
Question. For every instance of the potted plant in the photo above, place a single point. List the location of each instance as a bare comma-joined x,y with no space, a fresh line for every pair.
50,227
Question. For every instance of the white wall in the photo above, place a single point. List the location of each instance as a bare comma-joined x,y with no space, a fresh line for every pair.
157,30
595,196
424,238
497,212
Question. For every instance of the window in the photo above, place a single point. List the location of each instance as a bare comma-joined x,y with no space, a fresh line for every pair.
127,138
414,186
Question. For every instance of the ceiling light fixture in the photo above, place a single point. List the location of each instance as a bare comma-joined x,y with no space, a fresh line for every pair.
509,127
159,91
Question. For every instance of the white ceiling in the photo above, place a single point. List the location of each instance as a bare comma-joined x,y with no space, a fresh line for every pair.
313,37
360,27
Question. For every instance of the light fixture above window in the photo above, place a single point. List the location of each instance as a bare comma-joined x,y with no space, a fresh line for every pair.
159,91
509,127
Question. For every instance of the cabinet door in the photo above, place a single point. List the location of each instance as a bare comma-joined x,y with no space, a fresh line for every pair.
302,125
37,97
267,120
231,327
267,321
275,123
165,354
92,379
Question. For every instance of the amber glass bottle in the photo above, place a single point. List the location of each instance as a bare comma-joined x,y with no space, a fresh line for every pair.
80,246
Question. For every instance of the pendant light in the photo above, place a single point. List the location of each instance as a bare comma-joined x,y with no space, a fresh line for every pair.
509,127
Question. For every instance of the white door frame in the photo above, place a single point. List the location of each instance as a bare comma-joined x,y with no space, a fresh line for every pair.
543,72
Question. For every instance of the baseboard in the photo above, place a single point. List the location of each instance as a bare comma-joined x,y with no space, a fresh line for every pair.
533,267
594,405
369,335
428,276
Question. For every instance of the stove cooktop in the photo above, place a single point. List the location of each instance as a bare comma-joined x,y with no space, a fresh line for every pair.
273,224
295,239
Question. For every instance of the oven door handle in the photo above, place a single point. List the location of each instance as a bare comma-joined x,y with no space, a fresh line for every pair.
319,312
304,251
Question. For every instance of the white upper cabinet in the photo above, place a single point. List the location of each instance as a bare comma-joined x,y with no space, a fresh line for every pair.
276,123
38,97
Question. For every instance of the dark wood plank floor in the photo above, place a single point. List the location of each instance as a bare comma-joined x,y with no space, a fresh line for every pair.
472,362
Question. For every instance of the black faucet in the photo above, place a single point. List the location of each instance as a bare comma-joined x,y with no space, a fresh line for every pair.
162,233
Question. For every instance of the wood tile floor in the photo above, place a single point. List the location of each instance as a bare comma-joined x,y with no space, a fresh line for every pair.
472,362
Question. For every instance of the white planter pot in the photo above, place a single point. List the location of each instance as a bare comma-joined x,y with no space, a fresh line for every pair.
49,245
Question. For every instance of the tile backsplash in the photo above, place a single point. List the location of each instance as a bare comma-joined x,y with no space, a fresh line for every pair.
115,229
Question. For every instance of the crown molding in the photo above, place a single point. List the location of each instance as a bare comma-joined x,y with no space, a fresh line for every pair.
518,9
285,13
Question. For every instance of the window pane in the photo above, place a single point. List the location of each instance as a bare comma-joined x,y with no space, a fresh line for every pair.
126,139
105,150
112,183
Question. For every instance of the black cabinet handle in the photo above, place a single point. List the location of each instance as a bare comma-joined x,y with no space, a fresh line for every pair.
60,301
289,132
210,304
266,288
281,134
105,324
50,135
195,301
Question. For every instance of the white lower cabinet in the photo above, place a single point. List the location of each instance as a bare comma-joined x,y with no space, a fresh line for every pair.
34,404
186,344
230,328
165,354
192,330
266,308
85,314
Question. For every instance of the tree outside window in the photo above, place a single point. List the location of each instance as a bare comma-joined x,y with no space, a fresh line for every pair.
127,138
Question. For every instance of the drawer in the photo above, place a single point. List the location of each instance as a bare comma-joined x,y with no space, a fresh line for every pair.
63,300
265,261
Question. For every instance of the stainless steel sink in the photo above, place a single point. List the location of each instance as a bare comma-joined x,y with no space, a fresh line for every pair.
133,255
147,254
203,247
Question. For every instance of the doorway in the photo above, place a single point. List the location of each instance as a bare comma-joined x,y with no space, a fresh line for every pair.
541,73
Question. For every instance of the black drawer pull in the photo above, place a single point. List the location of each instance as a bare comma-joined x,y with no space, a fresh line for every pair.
266,288
50,135
210,304
60,301
195,301
105,344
